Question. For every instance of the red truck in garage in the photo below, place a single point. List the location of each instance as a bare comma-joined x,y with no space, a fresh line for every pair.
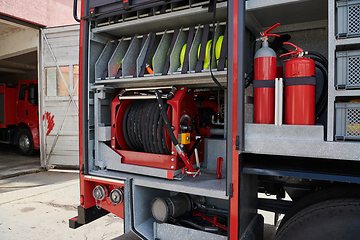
19,116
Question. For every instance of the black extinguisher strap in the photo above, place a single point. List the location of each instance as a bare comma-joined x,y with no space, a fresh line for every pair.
300,81
264,83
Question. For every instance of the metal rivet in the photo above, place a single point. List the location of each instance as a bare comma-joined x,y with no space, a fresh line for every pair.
113,146
172,152
172,167
113,138
172,159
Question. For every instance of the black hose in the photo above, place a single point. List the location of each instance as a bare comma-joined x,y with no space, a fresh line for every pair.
322,101
320,56
166,119
136,130
124,126
143,124
143,127
149,128
323,94
146,135
154,127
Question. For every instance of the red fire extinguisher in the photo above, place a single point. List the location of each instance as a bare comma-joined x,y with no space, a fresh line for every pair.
264,80
299,84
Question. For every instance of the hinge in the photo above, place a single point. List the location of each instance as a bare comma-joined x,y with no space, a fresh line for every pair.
82,169
237,142
231,190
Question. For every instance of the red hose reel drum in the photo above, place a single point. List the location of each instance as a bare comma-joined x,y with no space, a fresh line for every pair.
139,134
299,84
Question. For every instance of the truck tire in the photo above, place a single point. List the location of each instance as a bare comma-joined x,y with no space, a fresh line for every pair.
320,196
330,220
25,142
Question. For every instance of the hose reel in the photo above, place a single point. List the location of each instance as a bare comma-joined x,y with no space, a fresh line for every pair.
143,136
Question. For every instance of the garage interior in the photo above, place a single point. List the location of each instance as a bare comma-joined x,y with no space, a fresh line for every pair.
19,43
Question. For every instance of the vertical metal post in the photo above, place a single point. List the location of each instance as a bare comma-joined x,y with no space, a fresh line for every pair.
235,137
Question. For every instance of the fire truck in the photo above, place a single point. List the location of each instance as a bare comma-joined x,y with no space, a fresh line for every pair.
192,111
19,116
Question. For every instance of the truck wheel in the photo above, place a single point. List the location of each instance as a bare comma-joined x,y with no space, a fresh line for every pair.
321,196
330,220
25,142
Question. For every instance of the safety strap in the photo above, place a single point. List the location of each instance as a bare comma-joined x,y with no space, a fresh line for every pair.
105,73
300,81
147,54
264,83
185,66
200,62
223,52
167,63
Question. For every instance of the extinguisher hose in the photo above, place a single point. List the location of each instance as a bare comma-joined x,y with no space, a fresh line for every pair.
319,56
322,102
323,67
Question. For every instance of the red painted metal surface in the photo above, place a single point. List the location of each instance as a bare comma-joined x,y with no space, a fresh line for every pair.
300,99
9,106
106,203
264,97
35,135
26,112
86,203
234,201
20,111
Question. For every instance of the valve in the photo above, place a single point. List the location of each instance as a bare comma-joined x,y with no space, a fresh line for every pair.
117,196
266,34
298,51
100,192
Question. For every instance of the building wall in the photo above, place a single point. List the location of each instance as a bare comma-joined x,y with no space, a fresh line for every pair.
47,13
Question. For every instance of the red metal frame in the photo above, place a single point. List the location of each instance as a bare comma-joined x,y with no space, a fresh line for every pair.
9,105
106,203
234,201
84,188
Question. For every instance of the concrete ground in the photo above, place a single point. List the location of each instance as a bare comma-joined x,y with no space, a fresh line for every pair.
39,205
12,163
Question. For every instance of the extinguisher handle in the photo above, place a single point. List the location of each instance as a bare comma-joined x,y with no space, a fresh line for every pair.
297,49
267,33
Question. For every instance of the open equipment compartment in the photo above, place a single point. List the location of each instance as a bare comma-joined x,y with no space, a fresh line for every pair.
196,108
124,117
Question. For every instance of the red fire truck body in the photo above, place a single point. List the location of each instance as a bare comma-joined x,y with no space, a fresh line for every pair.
167,134
19,116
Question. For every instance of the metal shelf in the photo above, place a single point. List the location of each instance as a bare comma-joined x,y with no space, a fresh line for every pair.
174,20
191,79
347,41
262,14
347,93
